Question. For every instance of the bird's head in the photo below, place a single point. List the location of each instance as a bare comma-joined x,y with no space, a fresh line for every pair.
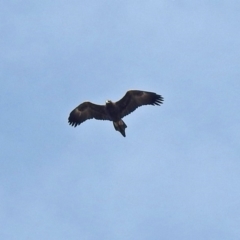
108,102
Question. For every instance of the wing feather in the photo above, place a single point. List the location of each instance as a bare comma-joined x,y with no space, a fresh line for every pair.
85,111
135,98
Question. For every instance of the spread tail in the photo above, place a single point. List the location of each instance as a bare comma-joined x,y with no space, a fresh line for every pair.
120,126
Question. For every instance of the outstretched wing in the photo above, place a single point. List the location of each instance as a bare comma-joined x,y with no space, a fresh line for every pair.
85,111
135,98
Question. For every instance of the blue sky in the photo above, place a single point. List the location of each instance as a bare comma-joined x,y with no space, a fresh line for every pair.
175,176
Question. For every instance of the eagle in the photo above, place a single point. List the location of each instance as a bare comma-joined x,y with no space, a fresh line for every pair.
114,111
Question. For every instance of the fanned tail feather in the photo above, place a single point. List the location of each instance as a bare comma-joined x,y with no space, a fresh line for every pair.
120,126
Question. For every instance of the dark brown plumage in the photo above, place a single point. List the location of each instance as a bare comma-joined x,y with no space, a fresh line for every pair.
114,111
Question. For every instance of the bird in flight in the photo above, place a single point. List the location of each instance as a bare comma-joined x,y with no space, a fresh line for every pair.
114,111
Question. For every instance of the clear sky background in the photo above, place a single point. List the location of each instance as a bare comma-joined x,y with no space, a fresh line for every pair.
176,175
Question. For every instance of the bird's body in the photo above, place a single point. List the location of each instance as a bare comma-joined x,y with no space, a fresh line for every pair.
114,111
